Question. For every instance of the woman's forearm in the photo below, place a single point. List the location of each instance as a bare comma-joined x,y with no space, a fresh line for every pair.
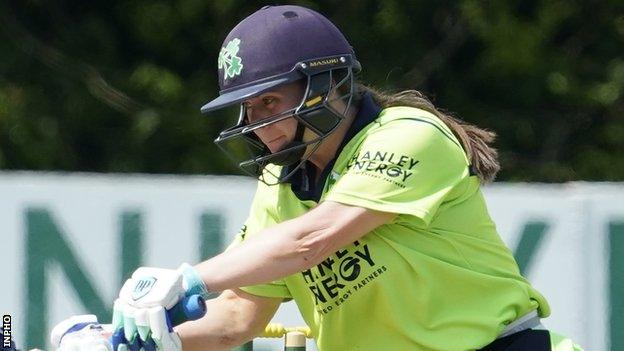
278,252
232,319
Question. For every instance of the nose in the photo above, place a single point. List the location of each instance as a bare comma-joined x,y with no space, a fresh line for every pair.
258,116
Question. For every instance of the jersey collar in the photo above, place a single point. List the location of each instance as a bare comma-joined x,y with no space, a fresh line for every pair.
302,182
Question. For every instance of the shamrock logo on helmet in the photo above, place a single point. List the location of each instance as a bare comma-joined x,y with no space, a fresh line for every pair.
231,64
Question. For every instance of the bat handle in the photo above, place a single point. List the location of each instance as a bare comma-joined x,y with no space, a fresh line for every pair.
188,309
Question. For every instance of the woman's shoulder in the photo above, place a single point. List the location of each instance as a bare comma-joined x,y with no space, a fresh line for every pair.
407,117
411,128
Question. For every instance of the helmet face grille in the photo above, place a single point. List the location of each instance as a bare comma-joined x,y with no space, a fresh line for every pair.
328,81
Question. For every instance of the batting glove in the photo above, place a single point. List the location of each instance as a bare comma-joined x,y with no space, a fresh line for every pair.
139,316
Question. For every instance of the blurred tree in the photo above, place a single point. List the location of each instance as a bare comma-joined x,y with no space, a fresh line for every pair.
116,86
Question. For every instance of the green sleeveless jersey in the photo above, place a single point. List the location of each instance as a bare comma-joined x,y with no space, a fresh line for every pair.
438,277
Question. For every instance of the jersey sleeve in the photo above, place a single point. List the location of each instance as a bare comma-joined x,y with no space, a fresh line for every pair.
261,216
406,166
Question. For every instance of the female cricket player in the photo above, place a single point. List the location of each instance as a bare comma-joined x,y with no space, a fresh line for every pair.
368,214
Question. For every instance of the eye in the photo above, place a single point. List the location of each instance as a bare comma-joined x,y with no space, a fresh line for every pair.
267,101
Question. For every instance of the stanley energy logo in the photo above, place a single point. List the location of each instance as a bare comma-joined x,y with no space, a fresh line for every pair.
340,276
389,166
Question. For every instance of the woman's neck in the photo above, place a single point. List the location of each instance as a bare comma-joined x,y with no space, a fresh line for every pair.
328,148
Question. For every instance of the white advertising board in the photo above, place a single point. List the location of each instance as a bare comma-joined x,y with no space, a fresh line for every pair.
67,241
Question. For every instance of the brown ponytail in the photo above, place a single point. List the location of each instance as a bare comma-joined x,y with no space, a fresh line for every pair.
475,141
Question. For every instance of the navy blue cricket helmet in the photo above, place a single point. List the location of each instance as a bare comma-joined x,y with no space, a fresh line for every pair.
278,45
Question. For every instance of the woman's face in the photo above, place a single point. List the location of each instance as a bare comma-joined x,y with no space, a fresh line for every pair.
275,135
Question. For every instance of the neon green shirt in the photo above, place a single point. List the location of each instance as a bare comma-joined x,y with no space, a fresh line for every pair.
437,278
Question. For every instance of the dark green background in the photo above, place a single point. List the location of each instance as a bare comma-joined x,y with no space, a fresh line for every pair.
116,86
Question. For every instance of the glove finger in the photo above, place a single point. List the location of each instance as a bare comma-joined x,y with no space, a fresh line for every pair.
119,336
130,329
158,322
145,333
118,314
162,333
141,319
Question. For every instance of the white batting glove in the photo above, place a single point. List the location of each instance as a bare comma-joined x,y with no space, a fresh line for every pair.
81,333
140,308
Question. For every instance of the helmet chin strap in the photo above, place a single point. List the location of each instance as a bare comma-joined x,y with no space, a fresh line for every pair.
289,158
